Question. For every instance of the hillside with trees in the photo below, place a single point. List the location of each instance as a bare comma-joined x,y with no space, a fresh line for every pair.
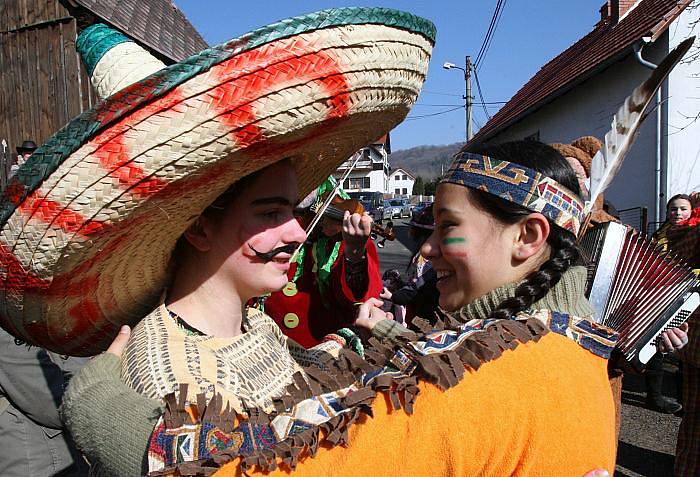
424,161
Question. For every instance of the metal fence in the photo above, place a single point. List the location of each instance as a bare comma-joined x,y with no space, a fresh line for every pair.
635,217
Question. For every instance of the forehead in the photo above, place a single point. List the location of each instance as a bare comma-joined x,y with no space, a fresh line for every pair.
279,180
450,197
680,203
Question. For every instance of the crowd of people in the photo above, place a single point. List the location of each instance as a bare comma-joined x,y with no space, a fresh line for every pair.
261,344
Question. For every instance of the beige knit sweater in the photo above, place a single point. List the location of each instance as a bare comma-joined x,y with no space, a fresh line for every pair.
248,370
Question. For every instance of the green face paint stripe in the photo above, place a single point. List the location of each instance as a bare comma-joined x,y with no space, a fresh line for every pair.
454,241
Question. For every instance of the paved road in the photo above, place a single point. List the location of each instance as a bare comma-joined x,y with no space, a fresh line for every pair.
647,438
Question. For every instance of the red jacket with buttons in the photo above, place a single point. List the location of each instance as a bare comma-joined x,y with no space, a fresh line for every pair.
306,317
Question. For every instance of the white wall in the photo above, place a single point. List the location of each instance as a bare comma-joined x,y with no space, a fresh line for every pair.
588,110
683,174
400,183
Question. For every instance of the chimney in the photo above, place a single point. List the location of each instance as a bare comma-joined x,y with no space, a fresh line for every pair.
613,10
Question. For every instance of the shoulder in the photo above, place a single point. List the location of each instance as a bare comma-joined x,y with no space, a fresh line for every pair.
596,338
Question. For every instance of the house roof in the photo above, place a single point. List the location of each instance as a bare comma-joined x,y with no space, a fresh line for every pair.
156,24
604,45
401,169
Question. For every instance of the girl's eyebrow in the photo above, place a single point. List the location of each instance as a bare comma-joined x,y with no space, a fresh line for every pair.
277,200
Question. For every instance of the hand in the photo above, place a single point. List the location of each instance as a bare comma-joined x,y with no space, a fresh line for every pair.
673,339
119,343
386,294
369,314
356,230
597,473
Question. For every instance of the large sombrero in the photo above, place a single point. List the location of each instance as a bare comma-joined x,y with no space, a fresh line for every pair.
88,223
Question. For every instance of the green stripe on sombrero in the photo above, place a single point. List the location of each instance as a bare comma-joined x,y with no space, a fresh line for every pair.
95,41
47,158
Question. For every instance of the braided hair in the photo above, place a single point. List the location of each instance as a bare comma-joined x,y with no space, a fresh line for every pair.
564,250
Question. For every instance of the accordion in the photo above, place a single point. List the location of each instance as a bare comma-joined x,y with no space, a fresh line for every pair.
636,289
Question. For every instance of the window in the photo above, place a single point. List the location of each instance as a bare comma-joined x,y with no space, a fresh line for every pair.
397,177
365,182
404,177
346,184
397,191
377,166
405,191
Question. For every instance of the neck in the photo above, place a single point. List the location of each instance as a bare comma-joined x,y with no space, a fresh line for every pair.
208,303
567,296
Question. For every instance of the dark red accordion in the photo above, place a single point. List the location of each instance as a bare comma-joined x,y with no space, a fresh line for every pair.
636,288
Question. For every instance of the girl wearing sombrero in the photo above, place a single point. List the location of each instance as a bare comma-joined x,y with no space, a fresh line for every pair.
170,204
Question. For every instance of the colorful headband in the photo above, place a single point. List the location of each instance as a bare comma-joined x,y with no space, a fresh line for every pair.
519,185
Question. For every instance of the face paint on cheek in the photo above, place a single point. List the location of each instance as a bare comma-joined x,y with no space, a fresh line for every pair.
454,246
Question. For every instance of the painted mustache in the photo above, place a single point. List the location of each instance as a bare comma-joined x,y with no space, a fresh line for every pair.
268,256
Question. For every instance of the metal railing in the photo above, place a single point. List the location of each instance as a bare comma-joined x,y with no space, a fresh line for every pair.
636,217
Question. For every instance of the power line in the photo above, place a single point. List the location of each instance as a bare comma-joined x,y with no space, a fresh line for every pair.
440,93
481,95
490,104
495,18
433,114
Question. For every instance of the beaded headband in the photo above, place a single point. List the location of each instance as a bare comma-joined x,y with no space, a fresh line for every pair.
519,185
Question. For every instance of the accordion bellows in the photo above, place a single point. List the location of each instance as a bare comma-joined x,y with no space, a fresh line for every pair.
636,288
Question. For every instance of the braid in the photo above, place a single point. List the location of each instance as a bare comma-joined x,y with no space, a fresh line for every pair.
565,253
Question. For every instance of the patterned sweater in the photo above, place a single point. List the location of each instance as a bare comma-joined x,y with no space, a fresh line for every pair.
248,370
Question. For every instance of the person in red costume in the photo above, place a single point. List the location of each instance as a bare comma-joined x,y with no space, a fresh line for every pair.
337,268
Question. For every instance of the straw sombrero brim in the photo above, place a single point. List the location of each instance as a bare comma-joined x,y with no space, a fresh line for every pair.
90,220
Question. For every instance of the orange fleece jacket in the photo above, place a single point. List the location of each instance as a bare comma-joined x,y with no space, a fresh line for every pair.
543,409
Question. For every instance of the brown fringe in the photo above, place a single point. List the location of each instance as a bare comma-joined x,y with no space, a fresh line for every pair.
444,369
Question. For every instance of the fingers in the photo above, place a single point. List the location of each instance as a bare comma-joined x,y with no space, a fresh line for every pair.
684,327
389,316
665,345
374,302
597,473
119,343
673,339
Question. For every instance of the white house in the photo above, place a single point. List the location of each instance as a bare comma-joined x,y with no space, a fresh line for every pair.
401,182
372,170
578,92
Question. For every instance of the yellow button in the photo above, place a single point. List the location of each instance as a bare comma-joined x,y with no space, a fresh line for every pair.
290,289
291,320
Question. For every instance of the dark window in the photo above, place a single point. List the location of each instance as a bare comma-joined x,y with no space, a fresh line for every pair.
405,191
397,191
346,184
404,177
365,182
377,166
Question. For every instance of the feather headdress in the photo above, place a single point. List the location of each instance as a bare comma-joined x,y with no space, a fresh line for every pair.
625,125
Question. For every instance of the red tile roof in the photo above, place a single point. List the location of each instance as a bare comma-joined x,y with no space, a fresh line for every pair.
595,51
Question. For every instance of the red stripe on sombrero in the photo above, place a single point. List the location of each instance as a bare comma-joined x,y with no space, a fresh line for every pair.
77,284
114,155
58,215
233,98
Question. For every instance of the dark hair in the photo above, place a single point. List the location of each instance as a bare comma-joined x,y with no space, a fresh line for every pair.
678,196
564,251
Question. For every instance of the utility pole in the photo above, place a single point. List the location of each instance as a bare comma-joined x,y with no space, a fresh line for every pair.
468,100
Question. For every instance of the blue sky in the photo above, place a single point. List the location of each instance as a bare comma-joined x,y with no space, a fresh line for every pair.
529,34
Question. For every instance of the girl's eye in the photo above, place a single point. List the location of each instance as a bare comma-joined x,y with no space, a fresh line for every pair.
445,225
272,214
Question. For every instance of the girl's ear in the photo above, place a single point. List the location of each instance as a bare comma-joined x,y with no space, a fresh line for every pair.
197,234
530,237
